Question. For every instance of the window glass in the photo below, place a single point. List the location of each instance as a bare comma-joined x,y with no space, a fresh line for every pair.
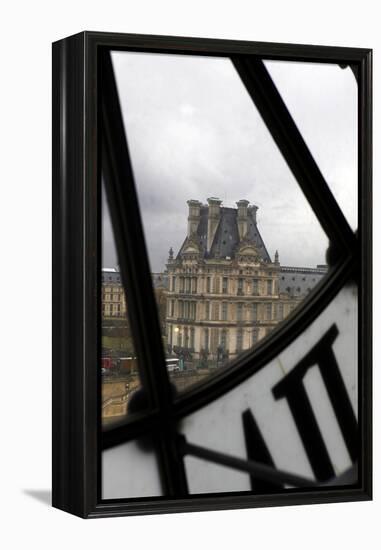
119,363
322,99
224,219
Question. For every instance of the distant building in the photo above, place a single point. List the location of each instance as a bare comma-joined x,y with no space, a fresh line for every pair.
113,297
299,281
224,291
160,280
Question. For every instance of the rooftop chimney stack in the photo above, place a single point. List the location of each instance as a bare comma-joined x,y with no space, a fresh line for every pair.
213,219
253,212
242,217
193,216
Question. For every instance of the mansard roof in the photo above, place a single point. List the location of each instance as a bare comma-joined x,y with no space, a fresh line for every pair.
226,239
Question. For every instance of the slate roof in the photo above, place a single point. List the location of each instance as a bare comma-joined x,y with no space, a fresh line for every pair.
110,275
298,281
226,238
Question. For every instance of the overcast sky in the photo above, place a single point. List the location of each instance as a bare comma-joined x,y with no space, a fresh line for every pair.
193,132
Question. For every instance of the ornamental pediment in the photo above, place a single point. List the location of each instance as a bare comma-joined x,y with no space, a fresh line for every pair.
191,246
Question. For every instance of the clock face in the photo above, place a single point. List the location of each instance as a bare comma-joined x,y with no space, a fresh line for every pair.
229,296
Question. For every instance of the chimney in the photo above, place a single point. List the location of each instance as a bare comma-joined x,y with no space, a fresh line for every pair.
242,217
253,212
193,216
213,219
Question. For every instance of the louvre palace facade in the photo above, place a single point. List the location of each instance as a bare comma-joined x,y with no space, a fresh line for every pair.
224,291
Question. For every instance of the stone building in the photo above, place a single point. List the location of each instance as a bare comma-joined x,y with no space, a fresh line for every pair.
113,297
224,291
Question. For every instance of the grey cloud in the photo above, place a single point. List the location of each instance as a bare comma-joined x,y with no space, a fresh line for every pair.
193,132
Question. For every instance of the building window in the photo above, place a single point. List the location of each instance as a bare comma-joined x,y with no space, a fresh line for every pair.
255,287
280,311
208,284
239,311
187,285
186,310
181,309
239,340
216,285
191,343
172,312
223,338
224,285
206,339
179,338
213,340
194,285
254,336
207,310
269,287
269,312
173,287
224,311
240,287
181,284
254,312
215,310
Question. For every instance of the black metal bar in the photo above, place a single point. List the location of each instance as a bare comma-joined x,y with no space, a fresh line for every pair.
257,450
338,395
135,271
180,45
291,387
365,287
261,471
291,144
307,426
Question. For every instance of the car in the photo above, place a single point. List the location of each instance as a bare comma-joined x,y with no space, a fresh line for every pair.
172,365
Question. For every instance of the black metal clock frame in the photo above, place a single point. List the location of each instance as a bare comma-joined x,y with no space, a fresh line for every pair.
88,142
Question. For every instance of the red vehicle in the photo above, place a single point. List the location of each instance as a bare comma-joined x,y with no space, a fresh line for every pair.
106,363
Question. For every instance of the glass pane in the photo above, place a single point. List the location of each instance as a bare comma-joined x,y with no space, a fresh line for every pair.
322,99
130,471
233,244
119,364
286,434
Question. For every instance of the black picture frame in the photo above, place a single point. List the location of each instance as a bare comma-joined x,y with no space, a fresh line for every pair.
79,118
